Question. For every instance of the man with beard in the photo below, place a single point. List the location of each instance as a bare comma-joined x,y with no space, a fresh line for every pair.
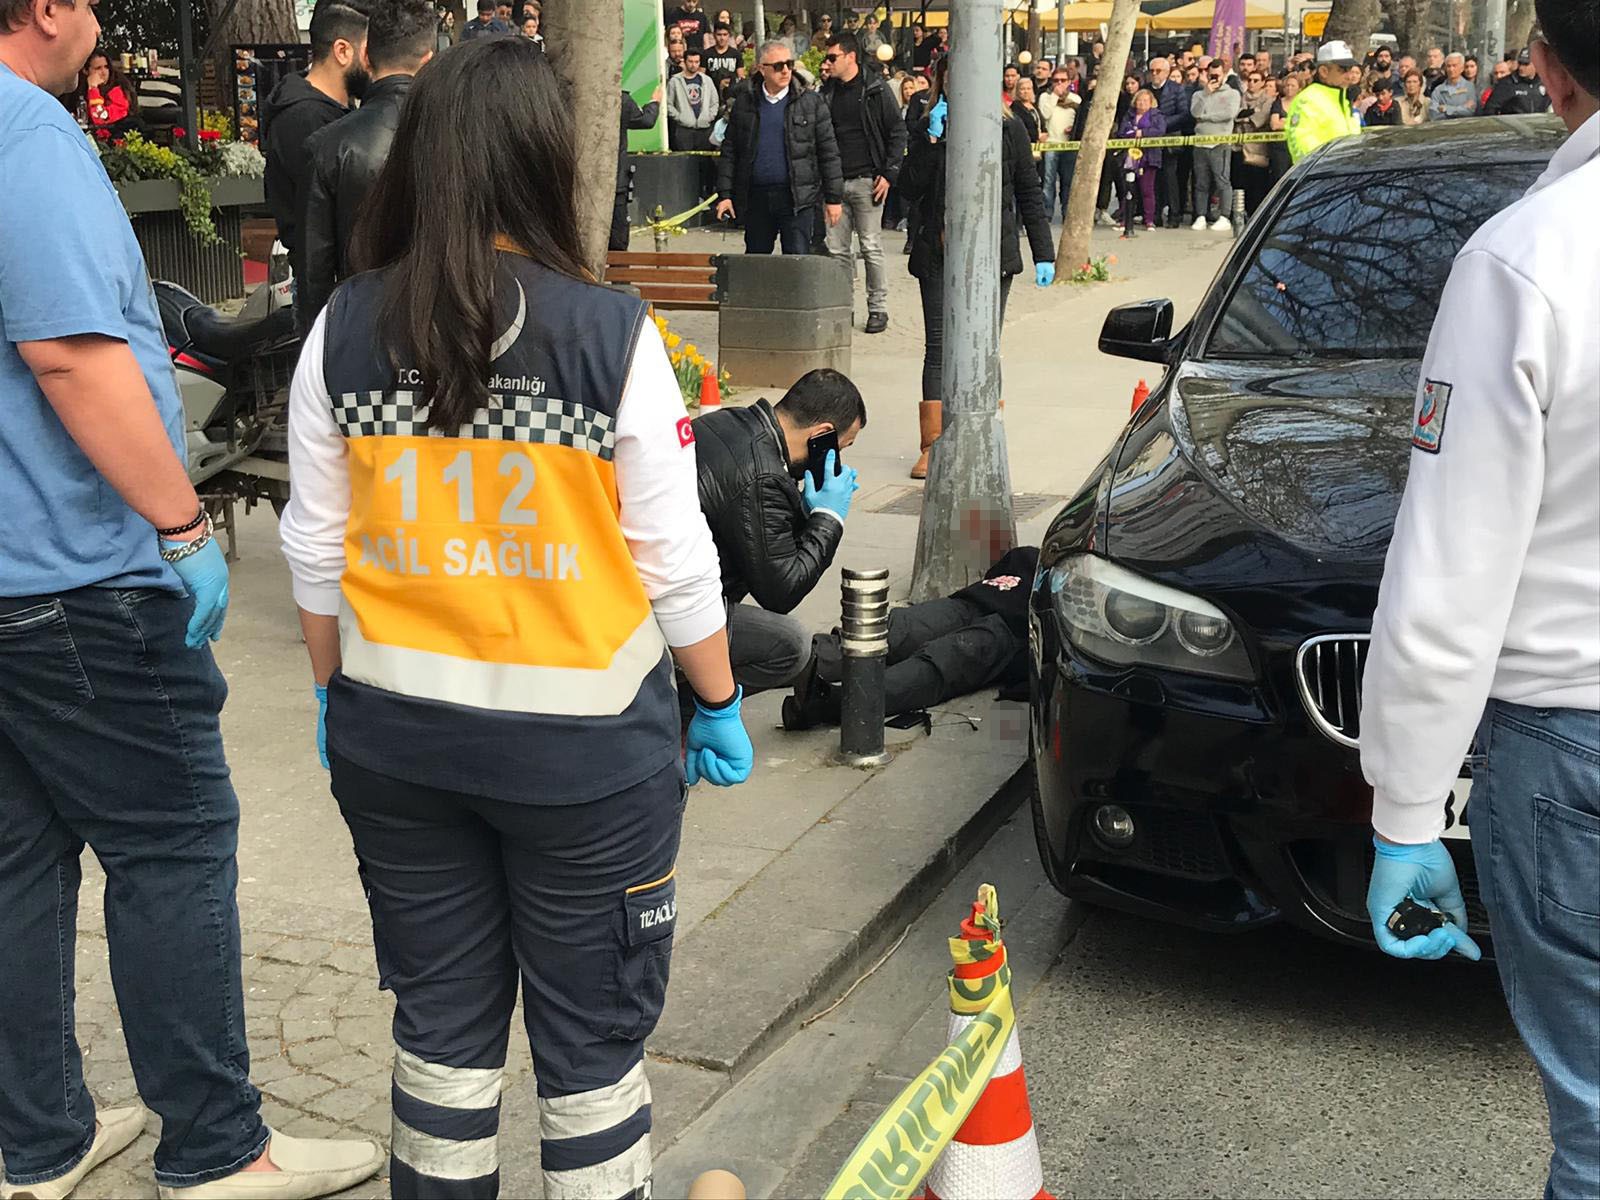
303,104
776,538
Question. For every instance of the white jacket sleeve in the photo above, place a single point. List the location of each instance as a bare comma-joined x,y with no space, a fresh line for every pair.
658,486
313,525
1459,541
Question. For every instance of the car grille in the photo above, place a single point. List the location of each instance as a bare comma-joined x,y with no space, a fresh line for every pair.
1328,670
1176,842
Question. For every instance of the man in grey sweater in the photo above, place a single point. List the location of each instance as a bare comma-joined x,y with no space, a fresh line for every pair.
1214,108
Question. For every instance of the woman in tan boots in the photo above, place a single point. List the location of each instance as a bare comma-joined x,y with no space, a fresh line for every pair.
922,183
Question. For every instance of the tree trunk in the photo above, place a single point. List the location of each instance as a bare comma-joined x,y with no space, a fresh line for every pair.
1410,21
254,22
1519,24
1075,230
1035,33
583,36
1354,22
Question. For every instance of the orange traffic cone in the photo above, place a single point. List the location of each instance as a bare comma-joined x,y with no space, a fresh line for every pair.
710,390
994,1155
1140,394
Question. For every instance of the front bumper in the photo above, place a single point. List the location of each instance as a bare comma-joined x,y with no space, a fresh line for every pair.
1244,814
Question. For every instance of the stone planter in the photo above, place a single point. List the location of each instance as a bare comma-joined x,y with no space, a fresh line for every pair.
213,273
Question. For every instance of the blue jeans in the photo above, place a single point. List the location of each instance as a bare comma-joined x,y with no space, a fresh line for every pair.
769,217
1536,839
1059,167
109,736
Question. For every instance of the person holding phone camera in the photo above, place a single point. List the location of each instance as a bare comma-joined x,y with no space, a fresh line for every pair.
776,494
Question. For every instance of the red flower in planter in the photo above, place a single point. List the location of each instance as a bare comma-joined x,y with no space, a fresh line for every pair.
210,135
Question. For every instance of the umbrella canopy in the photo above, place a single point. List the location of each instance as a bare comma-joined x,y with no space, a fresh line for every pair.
1200,14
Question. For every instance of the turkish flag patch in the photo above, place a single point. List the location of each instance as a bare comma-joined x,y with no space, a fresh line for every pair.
686,432
1428,433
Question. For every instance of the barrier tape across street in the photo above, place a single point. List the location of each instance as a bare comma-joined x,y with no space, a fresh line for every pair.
1151,143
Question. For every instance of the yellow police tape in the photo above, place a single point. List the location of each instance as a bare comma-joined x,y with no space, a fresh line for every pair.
1151,143
894,1157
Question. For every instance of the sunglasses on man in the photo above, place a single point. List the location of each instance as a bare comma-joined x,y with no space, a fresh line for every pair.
786,65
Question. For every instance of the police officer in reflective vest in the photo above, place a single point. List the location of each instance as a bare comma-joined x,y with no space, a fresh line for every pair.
1322,112
495,539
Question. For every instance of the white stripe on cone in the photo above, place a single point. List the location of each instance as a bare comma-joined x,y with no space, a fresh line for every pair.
1007,1171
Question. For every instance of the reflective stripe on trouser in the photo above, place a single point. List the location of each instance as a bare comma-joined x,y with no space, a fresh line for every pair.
472,897
444,1133
597,1143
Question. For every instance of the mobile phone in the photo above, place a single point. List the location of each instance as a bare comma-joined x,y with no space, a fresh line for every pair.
817,450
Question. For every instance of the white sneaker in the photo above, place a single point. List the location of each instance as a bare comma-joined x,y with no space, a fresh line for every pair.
307,1168
1199,223
117,1129
1220,225
1103,217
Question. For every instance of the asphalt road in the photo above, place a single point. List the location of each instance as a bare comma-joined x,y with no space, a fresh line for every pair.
1168,1063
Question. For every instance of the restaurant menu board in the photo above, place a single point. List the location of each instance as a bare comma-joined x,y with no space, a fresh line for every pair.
257,70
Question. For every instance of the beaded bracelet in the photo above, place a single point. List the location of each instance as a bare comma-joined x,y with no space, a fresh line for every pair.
199,520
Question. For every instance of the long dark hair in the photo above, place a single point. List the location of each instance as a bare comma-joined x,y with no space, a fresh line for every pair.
118,78
444,196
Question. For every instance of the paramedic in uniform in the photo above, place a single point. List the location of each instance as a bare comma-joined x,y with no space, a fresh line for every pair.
1488,619
495,538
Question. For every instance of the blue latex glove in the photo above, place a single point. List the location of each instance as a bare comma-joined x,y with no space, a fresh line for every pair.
322,725
936,118
718,749
836,491
1044,274
205,577
1427,874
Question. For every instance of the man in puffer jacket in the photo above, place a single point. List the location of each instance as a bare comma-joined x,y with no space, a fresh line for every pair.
779,158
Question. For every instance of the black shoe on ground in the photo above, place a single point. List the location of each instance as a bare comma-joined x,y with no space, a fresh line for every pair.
815,702
877,322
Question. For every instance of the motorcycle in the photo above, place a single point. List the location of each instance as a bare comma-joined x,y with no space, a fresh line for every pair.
233,378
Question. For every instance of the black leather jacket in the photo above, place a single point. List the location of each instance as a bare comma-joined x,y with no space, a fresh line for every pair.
815,173
345,160
770,549
884,126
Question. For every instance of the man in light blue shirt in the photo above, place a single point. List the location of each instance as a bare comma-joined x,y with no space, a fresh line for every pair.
1454,96
110,590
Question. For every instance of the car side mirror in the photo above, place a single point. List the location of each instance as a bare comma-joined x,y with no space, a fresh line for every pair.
1142,331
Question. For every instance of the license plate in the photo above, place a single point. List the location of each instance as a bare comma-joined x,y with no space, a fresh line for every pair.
1455,811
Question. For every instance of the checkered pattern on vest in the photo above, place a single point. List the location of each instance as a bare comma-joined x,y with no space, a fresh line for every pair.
507,418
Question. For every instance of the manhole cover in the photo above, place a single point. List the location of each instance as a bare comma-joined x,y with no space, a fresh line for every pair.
907,502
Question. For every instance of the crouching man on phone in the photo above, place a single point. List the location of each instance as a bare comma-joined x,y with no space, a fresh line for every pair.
775,492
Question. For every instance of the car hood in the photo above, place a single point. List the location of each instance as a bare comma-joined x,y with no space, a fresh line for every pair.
1272,475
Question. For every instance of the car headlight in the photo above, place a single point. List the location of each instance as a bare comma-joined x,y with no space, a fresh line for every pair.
1118,617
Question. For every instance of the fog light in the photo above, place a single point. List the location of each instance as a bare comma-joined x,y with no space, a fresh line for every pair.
1113,826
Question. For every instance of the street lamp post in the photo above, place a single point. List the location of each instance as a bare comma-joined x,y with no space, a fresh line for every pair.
966,508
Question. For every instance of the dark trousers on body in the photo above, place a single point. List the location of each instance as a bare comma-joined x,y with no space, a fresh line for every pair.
471,897
937,651
1177,170
770,217
933,331
109,736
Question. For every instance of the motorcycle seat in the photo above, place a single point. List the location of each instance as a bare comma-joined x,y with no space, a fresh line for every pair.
192,325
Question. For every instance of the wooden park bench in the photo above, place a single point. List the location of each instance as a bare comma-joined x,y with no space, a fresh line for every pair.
666,280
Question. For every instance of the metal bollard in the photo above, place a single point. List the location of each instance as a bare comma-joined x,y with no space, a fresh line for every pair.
1238,212
864,638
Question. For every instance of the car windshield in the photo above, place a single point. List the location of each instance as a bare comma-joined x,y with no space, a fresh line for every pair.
1355,264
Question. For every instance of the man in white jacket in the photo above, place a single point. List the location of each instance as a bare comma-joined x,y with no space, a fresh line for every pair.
1488,619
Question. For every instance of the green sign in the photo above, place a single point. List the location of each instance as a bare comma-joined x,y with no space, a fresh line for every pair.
645,54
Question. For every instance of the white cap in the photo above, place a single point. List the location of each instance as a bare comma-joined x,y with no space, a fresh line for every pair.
1336,54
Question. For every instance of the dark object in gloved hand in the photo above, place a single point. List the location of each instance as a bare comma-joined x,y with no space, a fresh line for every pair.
1410,919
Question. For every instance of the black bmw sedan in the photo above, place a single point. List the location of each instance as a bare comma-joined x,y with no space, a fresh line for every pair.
1200,619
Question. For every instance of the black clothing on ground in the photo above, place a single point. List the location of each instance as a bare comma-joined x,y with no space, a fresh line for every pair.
813,152
345,160
1021,195
943,649
770,549
881,124
1514,96
295,111
633,117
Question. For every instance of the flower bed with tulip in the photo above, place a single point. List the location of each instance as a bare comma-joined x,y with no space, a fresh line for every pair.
688,364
